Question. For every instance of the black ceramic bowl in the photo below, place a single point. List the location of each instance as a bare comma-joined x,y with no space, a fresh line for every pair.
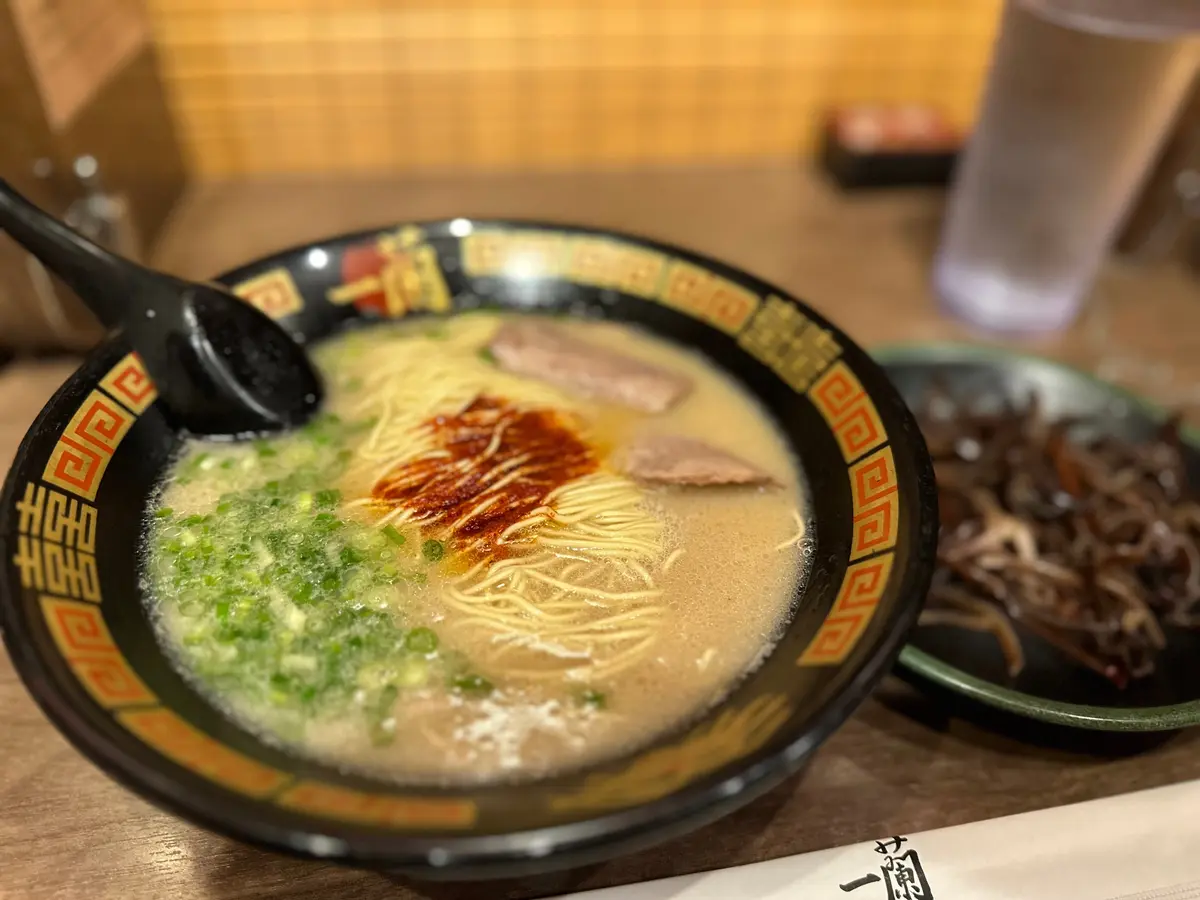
1052,688
72,514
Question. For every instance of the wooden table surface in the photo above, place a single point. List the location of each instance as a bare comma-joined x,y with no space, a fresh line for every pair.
902,764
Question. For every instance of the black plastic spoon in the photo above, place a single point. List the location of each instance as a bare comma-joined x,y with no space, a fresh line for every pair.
221,367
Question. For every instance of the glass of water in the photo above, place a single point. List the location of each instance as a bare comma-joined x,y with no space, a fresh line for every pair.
1077,105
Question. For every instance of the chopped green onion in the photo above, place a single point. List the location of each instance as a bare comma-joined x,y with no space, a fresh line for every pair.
413,673
421,640
387,698
328,497
390,532
433,550
472,684
594,699
326,521
163,513
381,723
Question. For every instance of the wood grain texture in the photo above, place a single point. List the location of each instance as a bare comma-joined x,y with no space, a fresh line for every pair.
902,764
263,86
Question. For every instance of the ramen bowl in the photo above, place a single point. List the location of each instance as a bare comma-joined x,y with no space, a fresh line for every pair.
73,515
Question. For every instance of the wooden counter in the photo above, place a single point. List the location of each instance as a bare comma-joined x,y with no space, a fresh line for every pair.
901,765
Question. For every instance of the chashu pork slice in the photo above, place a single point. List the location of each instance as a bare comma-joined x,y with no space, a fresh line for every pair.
670,459
542,351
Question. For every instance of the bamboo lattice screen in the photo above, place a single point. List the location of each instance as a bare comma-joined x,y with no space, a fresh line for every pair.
370,85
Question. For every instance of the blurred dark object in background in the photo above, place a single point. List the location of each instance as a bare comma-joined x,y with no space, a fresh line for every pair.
1166,219
89,137
889,146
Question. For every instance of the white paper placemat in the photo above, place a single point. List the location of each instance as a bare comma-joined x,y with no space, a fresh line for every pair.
1141,846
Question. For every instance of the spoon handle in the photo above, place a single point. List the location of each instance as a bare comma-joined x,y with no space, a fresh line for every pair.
108,284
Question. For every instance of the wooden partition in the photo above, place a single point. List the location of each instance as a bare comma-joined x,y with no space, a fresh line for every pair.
397,85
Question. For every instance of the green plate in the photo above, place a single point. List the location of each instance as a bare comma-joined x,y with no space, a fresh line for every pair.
1052,689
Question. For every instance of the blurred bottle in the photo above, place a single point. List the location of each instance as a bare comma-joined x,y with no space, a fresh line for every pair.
1080,96
36,310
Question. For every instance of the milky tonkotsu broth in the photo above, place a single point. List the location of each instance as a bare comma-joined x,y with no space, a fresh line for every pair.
343,627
